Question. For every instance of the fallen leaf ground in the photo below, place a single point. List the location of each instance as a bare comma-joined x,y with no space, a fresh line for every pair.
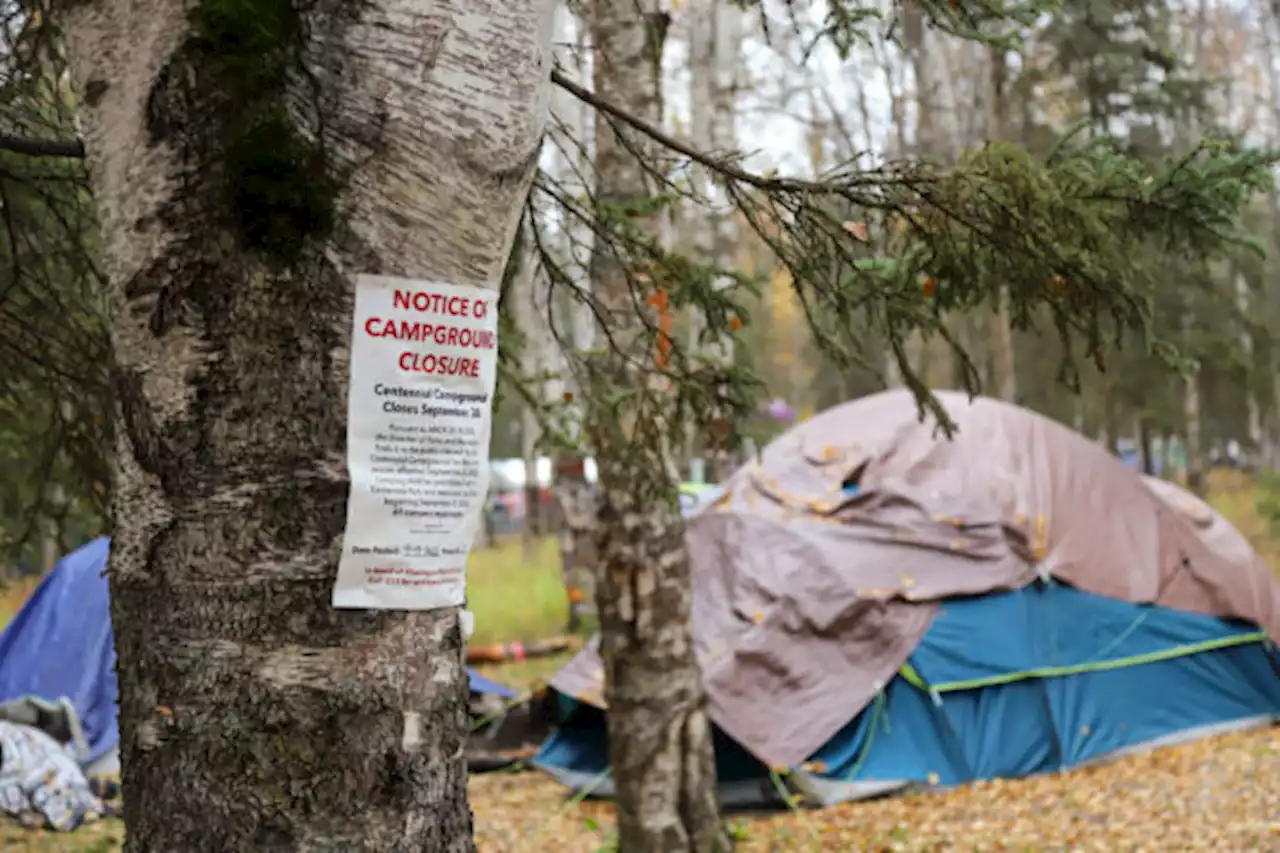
1214,796
1220,795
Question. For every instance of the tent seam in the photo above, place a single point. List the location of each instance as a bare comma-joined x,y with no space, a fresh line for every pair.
912,676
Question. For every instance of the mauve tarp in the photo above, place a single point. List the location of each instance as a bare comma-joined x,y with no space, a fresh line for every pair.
808,599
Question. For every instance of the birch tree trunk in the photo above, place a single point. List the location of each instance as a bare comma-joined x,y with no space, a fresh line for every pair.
659,734
1222,63
573,168
1253,411
932,354
254,716
913,37
1005,374
700,30
898,146
715,59
1191,408
531,308
1271,42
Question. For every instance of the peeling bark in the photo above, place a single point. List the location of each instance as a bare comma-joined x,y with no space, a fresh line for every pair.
659,734
254,716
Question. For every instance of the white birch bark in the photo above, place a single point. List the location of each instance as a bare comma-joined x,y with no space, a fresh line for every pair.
253,716
532,309
573,144
715,59
572,168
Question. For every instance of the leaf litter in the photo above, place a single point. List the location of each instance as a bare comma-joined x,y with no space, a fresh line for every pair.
1216,794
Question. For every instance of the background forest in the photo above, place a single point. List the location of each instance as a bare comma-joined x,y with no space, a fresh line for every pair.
1158,75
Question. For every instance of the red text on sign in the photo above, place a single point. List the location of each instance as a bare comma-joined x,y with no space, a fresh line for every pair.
439,365
433,303
408,330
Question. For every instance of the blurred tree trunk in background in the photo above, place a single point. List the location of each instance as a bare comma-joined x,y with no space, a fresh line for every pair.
1271,54
715,69
1191,399
530,310
923,354
1005,384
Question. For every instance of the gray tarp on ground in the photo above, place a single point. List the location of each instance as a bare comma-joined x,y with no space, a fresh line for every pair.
807,602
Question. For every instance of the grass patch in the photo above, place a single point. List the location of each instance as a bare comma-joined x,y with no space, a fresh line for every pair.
1241,499
13,595
515,598
104,837
526,676
518,598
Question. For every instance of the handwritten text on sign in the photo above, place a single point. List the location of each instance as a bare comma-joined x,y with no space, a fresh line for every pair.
423,367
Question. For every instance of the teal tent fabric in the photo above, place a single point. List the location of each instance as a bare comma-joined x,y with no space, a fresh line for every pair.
1034,680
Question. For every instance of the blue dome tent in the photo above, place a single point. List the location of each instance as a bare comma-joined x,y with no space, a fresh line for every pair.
877,609
1002,685
59,645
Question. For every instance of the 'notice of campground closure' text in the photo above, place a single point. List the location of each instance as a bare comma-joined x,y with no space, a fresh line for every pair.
423,367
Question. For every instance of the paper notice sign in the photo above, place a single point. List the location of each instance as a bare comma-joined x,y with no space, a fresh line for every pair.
423,367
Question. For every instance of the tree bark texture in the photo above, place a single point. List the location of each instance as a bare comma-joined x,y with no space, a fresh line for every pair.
530,300
572,168
1271,42
659,734
715,58
254,716
930,354
1006,384
1191,400
1193,419
573,146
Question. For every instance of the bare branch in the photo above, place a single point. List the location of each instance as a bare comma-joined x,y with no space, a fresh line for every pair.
70,148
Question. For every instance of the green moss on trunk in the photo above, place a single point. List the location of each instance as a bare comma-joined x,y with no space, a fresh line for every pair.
278,187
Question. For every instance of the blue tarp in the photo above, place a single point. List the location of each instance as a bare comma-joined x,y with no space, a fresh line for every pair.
1038,679
480,684
60,644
